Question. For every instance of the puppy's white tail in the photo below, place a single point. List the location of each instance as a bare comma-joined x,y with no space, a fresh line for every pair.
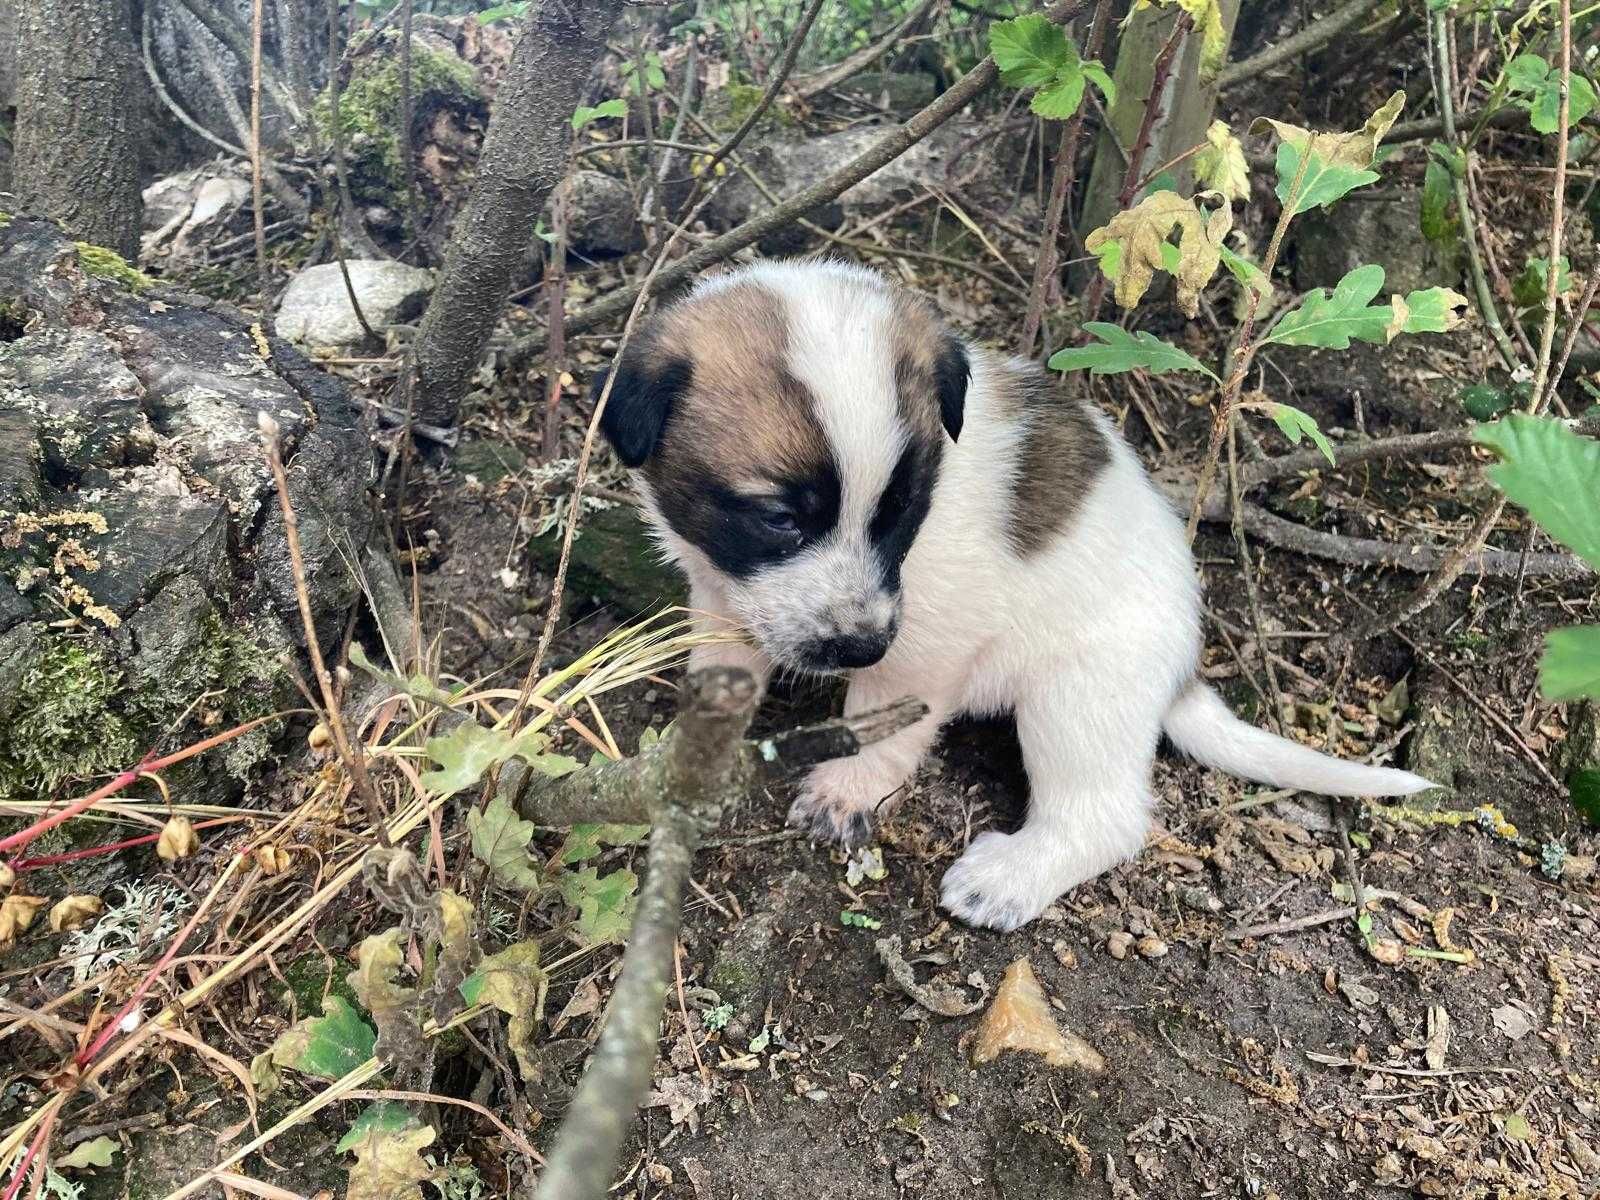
1203,727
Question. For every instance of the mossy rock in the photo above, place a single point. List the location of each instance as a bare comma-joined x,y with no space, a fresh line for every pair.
487,460
614,561
370,108
725,109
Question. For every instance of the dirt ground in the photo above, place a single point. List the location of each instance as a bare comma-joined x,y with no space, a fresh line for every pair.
1291,1062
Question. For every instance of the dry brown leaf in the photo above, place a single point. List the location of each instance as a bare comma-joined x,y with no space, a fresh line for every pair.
1357,149
1141,231
1020,1019
178,840
16,914
274,860
74,911
7,876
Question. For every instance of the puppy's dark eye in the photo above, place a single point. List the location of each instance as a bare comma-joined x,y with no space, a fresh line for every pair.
780,520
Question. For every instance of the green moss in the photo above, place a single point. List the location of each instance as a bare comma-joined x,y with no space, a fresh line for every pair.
369,110
312,976
66,724
728,107
108,264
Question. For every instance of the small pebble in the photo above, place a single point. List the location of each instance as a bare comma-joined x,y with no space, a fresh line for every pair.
1151,946
1117,944
1200,900
1065,954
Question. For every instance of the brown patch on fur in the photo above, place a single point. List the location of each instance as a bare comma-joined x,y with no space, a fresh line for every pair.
916,339
1062,454
744,413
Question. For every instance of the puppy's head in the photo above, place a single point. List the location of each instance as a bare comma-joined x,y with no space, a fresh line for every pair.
788,422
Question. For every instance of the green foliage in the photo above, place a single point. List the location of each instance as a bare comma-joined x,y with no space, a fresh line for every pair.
1483,402
68,722
1297,426
1332,320
1529,287
1336,163
653,77
585,114
381,1116
503,12
500,841
469,751
605,903
1438,193
856,920
1584,788
329,1046
585,841
1033,52
1132,246
1536,86
1246,272
1121,351
1554,473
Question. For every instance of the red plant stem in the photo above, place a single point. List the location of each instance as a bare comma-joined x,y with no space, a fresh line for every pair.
147,766
109,1030
40,1140
1141,144
54,860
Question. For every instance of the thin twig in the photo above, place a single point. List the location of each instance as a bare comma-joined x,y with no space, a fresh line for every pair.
774,85
1247,572
831,77
342,204
413,223
1314,36
351,753
1063,175
257,200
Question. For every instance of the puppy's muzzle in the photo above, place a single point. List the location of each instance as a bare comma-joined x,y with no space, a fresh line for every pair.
849,651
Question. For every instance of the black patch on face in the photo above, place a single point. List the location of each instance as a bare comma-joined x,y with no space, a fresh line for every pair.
903,507
646,390
742,534
951,374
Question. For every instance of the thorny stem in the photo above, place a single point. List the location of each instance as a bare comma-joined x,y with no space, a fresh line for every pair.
1450,570
1064,175
1245,349
1153,104
350,753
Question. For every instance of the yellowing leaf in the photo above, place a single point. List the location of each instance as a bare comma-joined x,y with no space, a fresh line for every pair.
74,911
1221,166
1141,232
1207,17
1020,1019
389,1164
16,914
177,840
1336,163
394,1008
96,1152
330,1045
513,982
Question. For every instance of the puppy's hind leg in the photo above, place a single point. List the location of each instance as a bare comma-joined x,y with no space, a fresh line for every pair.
1088,741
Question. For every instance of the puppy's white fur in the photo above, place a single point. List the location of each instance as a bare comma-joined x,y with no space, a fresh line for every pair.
1092,640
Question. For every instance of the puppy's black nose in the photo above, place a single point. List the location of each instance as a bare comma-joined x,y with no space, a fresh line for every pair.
849,651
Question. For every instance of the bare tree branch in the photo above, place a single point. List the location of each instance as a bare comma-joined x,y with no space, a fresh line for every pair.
818,82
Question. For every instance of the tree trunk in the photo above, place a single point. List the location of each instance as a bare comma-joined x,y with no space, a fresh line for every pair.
524,157
75,143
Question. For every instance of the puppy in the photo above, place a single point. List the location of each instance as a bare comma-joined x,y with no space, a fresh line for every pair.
860,491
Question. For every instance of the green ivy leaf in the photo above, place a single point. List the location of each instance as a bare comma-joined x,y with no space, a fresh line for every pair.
1297,425
1121,351
1552,472
329,1046
584,114
1570,668
584,841
605,903
500,841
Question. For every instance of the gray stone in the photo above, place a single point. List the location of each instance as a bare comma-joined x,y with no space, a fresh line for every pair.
1377,228
85,400
894,90
315,310
601,217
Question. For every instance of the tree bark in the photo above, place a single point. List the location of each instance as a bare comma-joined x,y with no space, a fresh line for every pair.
524,157
74,139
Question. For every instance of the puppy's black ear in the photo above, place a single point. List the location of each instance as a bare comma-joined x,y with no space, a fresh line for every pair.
644,391
951,374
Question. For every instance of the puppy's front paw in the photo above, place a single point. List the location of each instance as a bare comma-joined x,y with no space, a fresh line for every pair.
839,799
999,883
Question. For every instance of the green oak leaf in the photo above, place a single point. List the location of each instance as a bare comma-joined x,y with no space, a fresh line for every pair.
1120,351
500,841
1552,472
585,841
1331,320
605,903
1297,426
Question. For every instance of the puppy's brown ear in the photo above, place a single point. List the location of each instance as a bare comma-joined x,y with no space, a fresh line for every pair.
646,387
951,374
